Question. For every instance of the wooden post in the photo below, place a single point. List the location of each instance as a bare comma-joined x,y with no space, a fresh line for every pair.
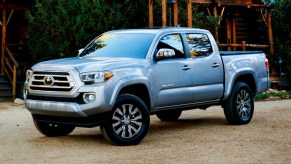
189,6
270,32
233,32
228,28
176,13
3,37
244,45
151,22
164,13
216,25
14,82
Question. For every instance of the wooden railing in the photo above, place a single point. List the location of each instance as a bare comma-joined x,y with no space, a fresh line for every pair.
243,45
10,68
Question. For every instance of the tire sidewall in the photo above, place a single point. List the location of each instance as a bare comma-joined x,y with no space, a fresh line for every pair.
50,131
237,88
115,138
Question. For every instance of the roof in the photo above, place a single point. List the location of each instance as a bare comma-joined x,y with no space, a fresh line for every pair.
157,30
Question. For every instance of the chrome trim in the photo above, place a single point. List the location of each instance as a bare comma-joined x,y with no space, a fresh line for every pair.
53,106
62,82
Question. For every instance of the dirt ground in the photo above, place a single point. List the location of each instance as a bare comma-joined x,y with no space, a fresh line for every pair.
197,137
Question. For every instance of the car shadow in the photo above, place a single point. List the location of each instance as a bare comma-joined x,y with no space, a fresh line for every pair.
94,136
187,123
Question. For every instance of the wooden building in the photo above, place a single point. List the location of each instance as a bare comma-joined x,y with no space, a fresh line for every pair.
238,24
239,27
14,28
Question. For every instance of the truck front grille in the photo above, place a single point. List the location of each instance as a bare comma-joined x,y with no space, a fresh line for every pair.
52,81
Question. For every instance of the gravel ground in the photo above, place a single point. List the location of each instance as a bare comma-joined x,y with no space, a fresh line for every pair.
197,137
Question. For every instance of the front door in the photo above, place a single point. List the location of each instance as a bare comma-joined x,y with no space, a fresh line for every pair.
172,75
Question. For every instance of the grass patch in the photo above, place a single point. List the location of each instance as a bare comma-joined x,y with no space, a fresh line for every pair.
273,94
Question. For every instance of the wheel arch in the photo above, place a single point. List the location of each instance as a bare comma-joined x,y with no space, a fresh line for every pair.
139,90
249,80
245,77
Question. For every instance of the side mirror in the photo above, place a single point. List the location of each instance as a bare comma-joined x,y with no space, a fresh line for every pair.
80,51
164,53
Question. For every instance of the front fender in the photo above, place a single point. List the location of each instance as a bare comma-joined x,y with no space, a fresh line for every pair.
128,81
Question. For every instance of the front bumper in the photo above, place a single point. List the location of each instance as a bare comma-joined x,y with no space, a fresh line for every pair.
70,109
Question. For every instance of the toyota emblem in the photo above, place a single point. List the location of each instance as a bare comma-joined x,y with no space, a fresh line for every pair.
48,80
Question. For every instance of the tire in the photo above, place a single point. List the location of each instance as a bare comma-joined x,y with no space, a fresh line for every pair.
239,107
51,129
170,115
129,121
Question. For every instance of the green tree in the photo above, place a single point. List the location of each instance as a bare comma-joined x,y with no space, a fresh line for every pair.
282,35
59,28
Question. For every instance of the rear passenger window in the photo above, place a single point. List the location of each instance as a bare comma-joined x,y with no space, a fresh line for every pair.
199,45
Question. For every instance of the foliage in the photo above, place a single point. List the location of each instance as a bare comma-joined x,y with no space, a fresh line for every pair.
282,36
278,94
200,18
59,28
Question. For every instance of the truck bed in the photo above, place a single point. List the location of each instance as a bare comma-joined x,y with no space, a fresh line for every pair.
222,53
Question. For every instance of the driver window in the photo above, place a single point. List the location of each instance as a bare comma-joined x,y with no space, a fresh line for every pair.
174,42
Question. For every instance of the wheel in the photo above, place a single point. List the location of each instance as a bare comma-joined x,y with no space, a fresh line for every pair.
170,115
239,107
52,130
129,121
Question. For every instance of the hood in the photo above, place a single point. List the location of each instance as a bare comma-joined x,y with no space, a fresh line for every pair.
88,64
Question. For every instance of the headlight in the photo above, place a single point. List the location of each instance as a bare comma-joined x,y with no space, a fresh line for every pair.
28,74
96,77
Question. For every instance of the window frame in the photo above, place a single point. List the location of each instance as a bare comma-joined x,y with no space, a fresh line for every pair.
183,41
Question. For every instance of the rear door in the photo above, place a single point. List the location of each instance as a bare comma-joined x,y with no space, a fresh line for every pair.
207,68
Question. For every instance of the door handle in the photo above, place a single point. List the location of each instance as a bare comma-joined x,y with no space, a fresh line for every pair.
186,67
214,65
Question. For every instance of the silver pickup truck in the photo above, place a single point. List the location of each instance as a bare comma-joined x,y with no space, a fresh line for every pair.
122,77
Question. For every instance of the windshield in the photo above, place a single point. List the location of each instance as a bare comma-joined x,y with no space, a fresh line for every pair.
123,45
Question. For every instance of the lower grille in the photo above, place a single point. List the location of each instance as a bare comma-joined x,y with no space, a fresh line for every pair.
78,99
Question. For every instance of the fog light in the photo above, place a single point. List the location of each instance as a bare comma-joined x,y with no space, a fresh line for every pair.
89,97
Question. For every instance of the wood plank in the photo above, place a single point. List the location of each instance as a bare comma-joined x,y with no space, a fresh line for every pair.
228,31
3,37
176,13
14,82
151,17
270,32
233,32
164,13
11,56
8,64
189,8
